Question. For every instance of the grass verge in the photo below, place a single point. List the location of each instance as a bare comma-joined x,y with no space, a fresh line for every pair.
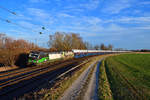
104,91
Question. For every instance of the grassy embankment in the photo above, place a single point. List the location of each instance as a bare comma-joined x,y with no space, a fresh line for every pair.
129,76
104,91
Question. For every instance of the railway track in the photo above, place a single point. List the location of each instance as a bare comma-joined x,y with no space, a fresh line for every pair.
16,81
19,75
9,74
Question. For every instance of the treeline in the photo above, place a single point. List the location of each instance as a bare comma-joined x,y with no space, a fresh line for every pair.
15,52
103,47
62,41
11,49
145,50
142,50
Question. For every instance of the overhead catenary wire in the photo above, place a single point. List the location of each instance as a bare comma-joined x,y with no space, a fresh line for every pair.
14,13
8,21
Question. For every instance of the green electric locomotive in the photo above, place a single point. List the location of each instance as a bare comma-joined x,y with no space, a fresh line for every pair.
36,57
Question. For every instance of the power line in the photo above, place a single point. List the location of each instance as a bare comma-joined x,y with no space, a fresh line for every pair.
10,22
14,13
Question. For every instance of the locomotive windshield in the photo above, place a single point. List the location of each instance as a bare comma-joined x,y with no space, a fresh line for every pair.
33,55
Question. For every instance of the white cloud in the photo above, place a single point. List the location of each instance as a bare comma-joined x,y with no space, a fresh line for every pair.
21,17
73,10
38,1
128,20
143,27
65,15
81,7
29,26
116,6
135,19
16,31
93,20
34,1
115,27
38,13
92,4
26,24
145,3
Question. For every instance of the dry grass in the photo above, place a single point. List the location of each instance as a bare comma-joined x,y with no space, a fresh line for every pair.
7,68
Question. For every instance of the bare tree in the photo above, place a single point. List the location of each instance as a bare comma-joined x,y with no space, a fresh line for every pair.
56,41
110,47
119,49
103,47
67,42
96,47
2,40
64,42
88,45
77,42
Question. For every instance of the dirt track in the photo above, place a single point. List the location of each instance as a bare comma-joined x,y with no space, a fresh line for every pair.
75,91
91,93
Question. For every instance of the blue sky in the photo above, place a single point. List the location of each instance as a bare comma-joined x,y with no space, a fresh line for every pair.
123,23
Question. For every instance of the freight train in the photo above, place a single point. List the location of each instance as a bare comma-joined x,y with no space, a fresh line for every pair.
36,57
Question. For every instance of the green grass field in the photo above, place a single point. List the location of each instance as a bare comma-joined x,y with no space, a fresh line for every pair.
129,76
